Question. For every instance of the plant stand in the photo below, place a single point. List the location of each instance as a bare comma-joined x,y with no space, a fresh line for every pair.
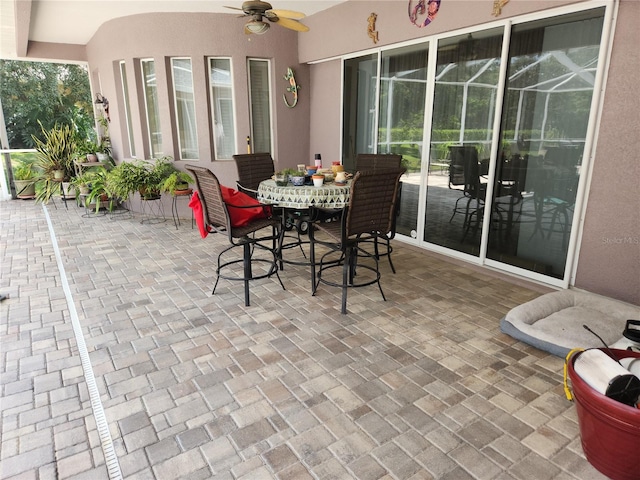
89,209
62,194
152,210
174,206
120,212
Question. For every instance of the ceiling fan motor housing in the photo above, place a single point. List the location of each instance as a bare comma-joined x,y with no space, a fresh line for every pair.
255,7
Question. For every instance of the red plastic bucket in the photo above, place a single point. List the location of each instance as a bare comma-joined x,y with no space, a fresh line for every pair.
610,430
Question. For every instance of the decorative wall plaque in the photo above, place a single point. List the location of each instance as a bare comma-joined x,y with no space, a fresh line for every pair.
292,88
497,7
371,27
421,8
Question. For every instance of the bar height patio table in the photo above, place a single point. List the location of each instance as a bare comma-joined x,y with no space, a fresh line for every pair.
298,200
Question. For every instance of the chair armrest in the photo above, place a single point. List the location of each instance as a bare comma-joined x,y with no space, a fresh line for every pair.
248,191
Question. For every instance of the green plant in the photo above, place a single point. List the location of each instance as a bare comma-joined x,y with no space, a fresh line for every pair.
84,148
104,141
144,176
128,177
177,180
57,151
287,172
24,170
82,183
100,192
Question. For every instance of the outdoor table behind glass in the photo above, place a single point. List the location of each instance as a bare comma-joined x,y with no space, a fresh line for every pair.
329,196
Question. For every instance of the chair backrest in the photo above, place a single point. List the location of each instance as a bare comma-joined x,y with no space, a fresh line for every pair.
377,161
463,158
512,175
372,202
213,207
252,169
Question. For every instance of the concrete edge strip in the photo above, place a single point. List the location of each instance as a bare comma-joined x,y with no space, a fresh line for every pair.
111,460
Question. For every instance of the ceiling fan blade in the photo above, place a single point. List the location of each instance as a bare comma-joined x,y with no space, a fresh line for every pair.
286,14
291,24
233,8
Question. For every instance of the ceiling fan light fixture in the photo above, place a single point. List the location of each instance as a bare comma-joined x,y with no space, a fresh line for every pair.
257,27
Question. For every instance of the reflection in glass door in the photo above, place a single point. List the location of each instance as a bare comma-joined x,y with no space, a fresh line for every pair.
403,87
466,86
550,82
510,205
358,117
388,99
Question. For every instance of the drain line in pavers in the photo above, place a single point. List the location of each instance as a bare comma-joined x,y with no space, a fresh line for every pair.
111,460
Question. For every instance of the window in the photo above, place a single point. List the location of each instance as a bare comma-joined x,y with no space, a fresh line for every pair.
185,108
222,107
127,108
260,105
151,104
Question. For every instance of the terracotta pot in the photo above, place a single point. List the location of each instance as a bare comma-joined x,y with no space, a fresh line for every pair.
318,180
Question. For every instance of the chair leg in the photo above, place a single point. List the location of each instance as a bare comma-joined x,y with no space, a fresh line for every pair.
312,260
389,250
248,274
347,277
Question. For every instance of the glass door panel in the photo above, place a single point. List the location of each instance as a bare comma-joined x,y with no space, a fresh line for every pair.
360,92
403,87
550,82
466,86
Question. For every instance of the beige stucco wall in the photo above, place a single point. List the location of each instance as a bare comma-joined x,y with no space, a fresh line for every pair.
609,259
198,36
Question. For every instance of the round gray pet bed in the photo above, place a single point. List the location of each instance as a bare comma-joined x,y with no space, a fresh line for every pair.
554,321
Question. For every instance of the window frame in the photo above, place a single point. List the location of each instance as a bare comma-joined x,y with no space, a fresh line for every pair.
213,107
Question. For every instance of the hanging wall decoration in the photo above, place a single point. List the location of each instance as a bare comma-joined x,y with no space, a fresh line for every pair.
497,7
430,7
371,27
292,88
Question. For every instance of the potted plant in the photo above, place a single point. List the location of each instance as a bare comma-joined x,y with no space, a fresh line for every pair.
281,179
55,154
127,178
86,151
103,146
177,183
144,176
100,195
24,176
82,183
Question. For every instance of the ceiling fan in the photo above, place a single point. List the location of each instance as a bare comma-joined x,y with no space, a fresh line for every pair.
259,10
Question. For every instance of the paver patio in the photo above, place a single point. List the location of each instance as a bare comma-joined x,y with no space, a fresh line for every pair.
192,385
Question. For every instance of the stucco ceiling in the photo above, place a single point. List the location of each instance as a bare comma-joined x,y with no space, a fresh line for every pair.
76,21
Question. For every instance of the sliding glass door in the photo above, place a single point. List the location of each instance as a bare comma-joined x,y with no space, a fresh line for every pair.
548,100
394,85
505,139
360,103
466,87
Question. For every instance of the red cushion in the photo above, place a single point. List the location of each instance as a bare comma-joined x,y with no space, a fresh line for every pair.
242,216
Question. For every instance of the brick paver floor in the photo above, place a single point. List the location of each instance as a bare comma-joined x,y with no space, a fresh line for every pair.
179,383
